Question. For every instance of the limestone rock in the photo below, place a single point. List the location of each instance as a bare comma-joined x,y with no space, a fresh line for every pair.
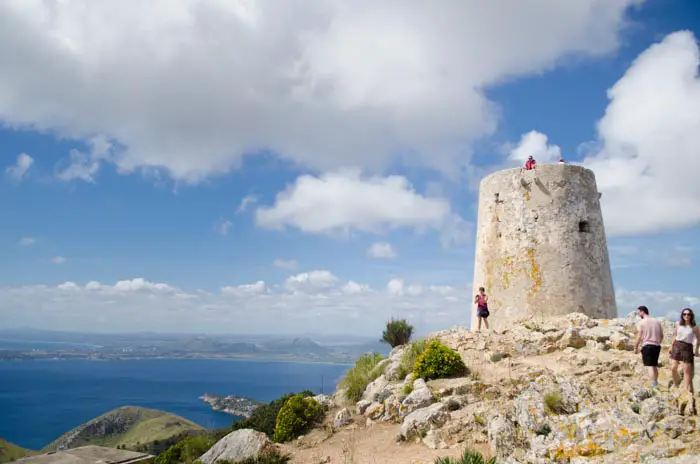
375,388
420,397
422,420
324,400
342,418
362,406
374,411
237,446
502,435
655,408
572,338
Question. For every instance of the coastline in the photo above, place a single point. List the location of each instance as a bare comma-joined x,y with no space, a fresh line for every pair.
181,358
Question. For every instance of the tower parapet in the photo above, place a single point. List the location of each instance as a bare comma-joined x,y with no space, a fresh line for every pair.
540,245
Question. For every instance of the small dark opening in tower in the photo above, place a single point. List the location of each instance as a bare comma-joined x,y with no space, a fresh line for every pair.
584,226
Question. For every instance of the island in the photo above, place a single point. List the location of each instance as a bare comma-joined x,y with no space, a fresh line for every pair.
236,405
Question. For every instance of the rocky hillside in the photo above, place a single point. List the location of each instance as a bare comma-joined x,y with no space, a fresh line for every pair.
565,390
128,427
10,452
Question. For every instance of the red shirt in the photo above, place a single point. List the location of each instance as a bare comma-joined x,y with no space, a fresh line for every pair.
529,164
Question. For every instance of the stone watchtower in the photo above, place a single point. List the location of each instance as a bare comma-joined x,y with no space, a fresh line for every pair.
540,245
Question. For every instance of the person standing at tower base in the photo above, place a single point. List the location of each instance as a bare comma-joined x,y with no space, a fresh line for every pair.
650,334
481,301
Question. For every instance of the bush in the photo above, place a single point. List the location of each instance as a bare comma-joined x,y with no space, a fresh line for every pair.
360,375
469,457
397,332
438,361
553,403
408,359
264,417
187,451
295,417
544,430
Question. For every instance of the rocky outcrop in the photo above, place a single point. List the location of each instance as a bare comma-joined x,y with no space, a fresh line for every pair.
567,389
237,446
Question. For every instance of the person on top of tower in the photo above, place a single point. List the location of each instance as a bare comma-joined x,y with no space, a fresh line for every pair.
561,160
530,163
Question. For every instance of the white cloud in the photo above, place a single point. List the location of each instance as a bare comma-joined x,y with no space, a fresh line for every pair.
325,304
258,287
382,250
26,241
245,202
660,304
311,281
534,144
224,226
285,264
85,166
344,202
191,86
58,260
647,162
19,170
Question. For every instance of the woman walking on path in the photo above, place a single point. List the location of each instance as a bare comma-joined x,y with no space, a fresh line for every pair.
685,335
482,308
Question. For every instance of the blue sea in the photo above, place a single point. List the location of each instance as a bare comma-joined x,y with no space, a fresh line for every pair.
41,400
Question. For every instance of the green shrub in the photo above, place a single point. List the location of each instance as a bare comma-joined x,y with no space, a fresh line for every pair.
469,457
480,420
544,430
264,417
397,332
409,356
186,451
408,388
635,408
356,380
553,403
295,417
438,361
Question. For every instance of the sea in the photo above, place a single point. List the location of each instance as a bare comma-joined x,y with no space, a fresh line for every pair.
41,400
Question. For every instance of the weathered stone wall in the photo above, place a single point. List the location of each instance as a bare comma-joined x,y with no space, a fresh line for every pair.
540,247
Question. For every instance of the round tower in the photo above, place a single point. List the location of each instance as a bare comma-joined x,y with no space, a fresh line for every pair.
540,245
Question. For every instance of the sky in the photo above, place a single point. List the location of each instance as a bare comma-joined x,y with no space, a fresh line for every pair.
252,166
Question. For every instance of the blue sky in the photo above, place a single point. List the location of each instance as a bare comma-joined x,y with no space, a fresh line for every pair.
358,156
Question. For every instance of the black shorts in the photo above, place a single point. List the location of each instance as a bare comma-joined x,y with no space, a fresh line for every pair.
650,355
482,312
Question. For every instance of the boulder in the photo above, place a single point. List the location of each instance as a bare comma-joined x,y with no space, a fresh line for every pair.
342,418
420,397
423,420
503,436
375,388
324,400
362,406
237,446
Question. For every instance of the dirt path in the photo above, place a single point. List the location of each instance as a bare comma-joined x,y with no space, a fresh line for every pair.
361,445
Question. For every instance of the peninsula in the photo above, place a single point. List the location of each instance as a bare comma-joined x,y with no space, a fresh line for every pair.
235,405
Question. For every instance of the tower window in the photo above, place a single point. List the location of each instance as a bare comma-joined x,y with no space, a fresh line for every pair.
584,226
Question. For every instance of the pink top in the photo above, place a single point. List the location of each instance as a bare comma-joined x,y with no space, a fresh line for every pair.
651,331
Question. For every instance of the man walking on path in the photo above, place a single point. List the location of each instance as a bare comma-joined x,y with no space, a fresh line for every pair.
650,334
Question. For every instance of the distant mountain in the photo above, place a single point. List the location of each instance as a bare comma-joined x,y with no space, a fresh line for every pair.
10,452
127,427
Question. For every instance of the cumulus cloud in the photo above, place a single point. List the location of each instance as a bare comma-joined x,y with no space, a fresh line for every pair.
85,166
190,86
661,304
19,170
534,144
58,260
647,160
26,241
382,250
317,301
344,202
285,264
